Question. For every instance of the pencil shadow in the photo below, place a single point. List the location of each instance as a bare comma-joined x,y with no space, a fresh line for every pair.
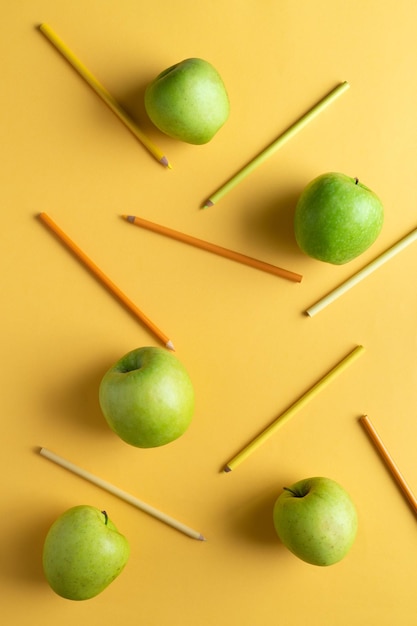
76,403
272,224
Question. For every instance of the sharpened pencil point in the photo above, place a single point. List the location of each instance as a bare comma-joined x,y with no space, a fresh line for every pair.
208,204
227,469
129,218
165,162
170,345
201,538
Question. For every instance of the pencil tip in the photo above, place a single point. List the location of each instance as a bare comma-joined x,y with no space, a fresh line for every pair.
227,469
201,538
129,218
170,345
165,162
208,204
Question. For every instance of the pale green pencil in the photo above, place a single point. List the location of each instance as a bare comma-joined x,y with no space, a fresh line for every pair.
363,273
278,143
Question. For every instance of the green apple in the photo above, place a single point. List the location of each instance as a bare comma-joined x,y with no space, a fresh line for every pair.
83,553
188,101
337,218
147,397
316,520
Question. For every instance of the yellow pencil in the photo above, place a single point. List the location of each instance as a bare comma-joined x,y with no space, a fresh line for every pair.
275,145
211,247
392,466
123,495
284,417
98,273
103,93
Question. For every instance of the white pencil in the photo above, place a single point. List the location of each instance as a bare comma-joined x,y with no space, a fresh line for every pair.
363,273
123,495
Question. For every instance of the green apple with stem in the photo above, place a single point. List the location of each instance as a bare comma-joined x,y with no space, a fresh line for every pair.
83,553
147,397
337,218
188,101
316,520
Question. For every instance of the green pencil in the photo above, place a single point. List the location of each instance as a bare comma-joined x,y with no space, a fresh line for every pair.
275,145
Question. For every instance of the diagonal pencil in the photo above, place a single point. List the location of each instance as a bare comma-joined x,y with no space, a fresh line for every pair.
389,461
288,414
98,273
211,247
275,145
363,273
103,93
123,495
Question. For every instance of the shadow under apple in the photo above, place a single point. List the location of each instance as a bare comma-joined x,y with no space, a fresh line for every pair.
76,402
132,100
26,540
252,520
272,223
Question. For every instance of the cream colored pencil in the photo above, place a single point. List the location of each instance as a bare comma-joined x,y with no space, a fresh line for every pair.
123,495
389,461
211,247
278,143
363,273
111,286
288,414
103,93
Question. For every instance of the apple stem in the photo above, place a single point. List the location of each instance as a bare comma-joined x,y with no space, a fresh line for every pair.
291,491
106,517
356,181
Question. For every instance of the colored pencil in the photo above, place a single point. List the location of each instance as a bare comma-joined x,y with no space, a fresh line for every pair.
275,145
123,495
363,273
389,461
103,93
211,247
289,413
98,273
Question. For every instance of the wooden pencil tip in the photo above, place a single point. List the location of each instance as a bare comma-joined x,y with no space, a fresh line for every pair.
129,218
208,204
170,345
201,538
227,469
165,162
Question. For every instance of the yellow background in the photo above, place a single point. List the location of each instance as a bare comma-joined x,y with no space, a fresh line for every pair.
242,334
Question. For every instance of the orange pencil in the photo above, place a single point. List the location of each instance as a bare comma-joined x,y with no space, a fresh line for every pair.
211,247
392,466
106,281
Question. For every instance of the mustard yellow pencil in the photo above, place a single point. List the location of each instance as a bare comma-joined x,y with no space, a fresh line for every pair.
288,414
278,143
103,93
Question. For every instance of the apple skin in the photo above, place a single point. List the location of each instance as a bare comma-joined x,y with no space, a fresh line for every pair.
83,553
188,101
316,520
337,218
147,397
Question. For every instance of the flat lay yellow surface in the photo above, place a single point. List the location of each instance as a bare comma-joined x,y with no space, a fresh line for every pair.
243,334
